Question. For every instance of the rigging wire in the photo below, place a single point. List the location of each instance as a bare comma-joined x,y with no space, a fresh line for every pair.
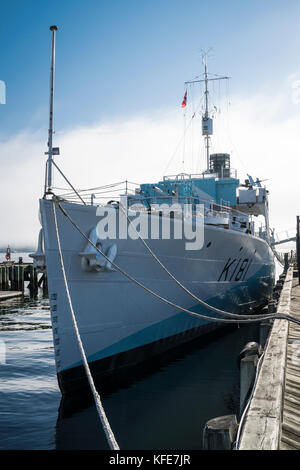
103,418
204,304
180,142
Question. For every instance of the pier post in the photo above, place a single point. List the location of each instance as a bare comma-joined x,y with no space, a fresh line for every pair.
11,277
298,246
35,279
286,262
33,285
45,284
264,331
220,433
247,374
16,278
4,278
21,270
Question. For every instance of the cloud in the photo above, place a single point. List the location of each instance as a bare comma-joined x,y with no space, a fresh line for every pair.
262,139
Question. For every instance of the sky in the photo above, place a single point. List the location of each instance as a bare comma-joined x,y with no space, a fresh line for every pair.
120,72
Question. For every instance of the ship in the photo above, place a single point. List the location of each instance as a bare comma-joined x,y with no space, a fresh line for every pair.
131,269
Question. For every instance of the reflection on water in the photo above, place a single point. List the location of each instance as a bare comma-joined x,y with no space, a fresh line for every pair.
168,408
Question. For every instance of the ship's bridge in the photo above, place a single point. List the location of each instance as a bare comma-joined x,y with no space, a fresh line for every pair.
218,184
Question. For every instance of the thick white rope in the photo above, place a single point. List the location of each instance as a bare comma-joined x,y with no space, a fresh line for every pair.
277,255
201,302
104,421
166,301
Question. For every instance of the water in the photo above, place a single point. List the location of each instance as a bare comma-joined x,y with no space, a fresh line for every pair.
167,408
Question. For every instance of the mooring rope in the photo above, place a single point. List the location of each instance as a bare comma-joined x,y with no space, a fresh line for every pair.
277,255
166,301
201,302
104,421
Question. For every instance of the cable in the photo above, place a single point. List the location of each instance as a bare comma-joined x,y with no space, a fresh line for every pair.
204,304
106,426
180,141
168,302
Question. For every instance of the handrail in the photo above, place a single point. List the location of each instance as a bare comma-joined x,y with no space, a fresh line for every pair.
210,204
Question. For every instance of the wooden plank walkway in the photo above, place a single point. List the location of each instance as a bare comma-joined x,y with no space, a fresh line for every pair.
262,426
290,433
8,294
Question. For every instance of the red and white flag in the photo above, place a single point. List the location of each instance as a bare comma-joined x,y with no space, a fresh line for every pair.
183,104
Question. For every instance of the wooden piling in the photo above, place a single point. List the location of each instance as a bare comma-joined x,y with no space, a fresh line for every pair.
45,284
247,375
220,433
11,277
264,331
16,278
21,277
298,246
33,280
4,274
30,278
286,262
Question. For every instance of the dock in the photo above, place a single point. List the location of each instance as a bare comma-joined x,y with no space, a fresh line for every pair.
272,421
14,275
6,295
290,430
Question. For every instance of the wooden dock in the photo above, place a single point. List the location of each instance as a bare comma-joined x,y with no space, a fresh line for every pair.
273,418
14,275
6,295
290,428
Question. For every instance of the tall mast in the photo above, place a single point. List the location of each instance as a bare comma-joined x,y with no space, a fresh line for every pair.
207,122
206,110
50,153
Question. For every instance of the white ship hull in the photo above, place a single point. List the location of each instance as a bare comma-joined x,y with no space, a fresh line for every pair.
120,323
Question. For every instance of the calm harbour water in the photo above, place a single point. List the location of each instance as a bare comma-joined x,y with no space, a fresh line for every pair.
165,409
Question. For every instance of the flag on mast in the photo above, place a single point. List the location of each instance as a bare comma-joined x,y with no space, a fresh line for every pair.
183,104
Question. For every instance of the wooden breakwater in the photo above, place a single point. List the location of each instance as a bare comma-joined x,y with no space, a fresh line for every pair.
15,276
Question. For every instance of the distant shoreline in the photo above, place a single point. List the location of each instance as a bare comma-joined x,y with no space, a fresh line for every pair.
19,250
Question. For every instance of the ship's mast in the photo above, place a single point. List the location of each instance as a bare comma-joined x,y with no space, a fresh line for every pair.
207,122
207,138
51,151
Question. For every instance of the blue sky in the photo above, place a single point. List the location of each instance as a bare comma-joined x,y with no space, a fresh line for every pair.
121,57
120,72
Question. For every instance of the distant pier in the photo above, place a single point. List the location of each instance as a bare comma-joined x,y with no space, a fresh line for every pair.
6,295
13,276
